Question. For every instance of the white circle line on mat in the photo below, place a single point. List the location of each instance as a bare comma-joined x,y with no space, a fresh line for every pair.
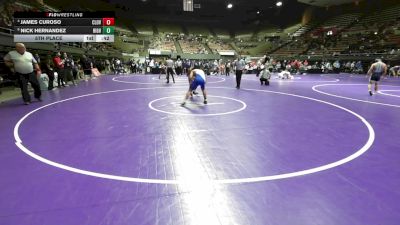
383,92
358,153
244,105
315,88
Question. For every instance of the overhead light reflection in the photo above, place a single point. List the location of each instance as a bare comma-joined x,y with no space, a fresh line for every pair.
203,201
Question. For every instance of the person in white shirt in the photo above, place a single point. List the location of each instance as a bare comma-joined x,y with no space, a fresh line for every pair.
151,65
179,66
24,65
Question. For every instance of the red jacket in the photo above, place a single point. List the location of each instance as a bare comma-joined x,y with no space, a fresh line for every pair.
58,62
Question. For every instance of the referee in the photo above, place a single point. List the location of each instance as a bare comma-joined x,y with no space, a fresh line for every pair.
240,66
23,64
170,69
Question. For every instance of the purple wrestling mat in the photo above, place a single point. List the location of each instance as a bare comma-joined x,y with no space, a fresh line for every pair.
121,150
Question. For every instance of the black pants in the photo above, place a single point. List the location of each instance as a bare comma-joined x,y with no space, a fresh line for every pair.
50,74
227,71
60,77
170,71
68,75
258,72
23,80
238,77
179,70
87,72
264,80
75,74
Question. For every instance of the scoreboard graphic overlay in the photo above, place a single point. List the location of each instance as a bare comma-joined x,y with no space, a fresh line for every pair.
64,26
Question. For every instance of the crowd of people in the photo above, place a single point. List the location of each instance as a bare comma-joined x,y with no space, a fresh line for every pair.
361,38
62,68
377,38
163,43
182,66
57,69
218,45
226,66
193,44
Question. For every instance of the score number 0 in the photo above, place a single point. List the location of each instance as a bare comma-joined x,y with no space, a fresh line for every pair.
108,21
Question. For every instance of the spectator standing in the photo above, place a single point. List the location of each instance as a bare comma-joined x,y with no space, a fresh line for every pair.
227,68
47,68
179,66
59,66
24,64
68,67
87,67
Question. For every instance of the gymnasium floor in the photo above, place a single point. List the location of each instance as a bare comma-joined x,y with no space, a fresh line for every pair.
121,150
